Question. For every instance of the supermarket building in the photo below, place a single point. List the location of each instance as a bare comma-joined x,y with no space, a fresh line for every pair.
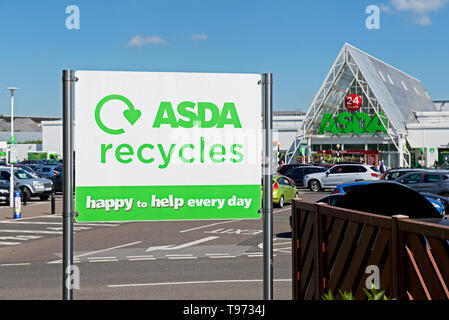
368,111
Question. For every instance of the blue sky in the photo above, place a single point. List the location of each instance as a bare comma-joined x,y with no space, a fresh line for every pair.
295,40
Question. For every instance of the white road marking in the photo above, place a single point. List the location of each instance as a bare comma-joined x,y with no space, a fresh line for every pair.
221,257
4,243
101,258
181,246
60,223
141,259
30,231
14,264
137,257
181,258
103,250
189,282
104,260
179,255
210,225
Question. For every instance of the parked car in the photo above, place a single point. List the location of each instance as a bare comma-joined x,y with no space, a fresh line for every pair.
284,190
325,165
28,185
387,198
390,198
287,167
342,173
436,182
27,169
58,182
48,170
4,192
395,173
439,202
297,174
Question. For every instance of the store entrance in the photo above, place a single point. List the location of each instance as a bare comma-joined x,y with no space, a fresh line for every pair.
370,157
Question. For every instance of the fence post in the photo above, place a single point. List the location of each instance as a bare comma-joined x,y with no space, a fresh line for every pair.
317,253
397,258
294,251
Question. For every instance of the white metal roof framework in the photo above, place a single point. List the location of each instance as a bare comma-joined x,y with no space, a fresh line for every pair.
385,90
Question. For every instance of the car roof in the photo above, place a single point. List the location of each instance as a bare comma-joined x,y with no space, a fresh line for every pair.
342,185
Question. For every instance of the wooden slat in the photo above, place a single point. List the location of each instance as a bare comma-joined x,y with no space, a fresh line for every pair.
440,252
376,254
413,279
343,258
305,240
305,271
358,263
425,267
356,216
333,245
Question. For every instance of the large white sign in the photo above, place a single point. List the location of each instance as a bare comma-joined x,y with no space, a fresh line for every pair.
152,146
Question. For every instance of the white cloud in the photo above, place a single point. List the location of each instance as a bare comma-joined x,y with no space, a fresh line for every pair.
201,36
385,8
419,8
424,21
139,41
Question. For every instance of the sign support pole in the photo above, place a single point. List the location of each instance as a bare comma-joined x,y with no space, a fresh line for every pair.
267,103
67,255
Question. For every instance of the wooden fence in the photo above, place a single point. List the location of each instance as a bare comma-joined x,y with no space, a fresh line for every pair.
332,248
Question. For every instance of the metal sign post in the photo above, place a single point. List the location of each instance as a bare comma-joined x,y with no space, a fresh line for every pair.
67,111
267,104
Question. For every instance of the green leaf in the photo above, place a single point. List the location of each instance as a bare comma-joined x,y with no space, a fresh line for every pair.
328,296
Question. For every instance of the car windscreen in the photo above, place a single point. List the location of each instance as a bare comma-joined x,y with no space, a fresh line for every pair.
22,174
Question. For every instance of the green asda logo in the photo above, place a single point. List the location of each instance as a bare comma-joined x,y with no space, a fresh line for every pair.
166,115
357,122
187,114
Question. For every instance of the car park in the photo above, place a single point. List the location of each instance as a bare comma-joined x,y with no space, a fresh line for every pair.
297,174
28,185
338,174
436,182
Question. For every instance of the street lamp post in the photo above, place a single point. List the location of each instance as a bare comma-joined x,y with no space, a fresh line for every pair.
11,178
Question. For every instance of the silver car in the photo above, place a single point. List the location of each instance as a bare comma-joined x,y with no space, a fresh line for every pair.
29,186
339,174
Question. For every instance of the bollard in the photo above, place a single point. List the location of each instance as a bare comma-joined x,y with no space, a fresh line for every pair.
17,205
53,200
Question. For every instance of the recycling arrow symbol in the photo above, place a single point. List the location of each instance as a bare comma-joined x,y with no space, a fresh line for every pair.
131,114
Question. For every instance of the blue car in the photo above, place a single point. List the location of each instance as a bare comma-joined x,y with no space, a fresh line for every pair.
439,202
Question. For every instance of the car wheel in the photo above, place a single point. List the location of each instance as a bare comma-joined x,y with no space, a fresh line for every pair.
26,194
281,202
44,197
315,185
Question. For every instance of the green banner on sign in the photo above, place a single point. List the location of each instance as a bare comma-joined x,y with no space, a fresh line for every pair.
143,203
